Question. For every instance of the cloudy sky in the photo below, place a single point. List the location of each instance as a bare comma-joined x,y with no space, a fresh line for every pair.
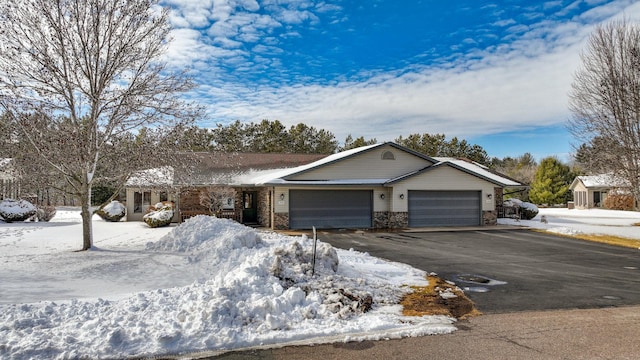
496,73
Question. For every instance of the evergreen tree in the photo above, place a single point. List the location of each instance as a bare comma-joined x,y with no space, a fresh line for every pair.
437,145
551,182
350,143
304,139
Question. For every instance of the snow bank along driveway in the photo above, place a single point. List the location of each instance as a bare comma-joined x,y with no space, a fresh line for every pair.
206,284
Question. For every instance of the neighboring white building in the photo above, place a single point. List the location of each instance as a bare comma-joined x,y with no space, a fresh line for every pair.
590,191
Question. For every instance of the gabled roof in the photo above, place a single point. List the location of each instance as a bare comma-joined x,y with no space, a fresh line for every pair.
599,181
339,157
281,169
466,166
205,168
283,176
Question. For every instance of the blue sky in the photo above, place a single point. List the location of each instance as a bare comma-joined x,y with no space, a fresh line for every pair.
496,73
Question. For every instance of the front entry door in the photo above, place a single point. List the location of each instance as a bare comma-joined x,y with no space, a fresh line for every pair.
249,207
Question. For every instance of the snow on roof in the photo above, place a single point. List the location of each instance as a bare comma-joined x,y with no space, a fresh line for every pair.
331,182
277,176
478,169
602,180
161,176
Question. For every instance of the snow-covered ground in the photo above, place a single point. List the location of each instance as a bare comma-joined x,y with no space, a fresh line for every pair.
206,284
584,221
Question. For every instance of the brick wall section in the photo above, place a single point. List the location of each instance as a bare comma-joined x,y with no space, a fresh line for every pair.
264,207
390,220
489,218
380,219
281,221
398,220
190,201
238,203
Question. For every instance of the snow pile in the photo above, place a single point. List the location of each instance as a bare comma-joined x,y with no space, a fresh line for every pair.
212,243
203,232
258,291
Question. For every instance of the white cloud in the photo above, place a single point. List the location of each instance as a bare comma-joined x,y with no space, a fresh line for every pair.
503,23
520,91
503,88
514,85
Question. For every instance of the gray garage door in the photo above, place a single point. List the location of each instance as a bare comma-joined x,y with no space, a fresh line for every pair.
327,209
444,208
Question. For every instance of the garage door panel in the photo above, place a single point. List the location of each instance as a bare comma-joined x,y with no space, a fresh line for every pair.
330,209
444,208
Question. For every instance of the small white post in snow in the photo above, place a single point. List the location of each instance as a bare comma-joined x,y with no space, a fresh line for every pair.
313,261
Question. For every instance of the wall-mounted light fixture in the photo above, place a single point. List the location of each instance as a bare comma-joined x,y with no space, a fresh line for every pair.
489,196
281,196
382,196
401,196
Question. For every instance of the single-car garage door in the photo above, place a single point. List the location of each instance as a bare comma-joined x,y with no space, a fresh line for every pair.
330,209
444,208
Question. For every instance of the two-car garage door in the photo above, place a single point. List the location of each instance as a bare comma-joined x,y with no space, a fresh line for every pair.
330,209
333,209
444,208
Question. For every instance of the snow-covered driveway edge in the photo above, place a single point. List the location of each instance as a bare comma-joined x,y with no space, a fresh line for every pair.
573,222
432,326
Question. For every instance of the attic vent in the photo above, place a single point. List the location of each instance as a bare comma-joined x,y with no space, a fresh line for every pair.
388,155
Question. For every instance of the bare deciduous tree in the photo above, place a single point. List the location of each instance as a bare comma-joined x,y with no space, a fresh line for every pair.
605,99
78,76
215,198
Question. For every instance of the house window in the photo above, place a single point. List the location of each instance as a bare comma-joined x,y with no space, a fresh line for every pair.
582,198
141,201
164,196
388,155
248,200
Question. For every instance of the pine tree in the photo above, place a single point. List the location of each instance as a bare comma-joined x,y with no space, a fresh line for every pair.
551,182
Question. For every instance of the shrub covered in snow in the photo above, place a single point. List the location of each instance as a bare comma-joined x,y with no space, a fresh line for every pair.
16,210
113,211
45,213
526,210
159,215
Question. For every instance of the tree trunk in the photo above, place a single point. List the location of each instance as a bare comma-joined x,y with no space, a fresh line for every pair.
87,226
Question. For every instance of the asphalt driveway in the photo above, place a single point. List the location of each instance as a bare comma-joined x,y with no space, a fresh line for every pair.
506,271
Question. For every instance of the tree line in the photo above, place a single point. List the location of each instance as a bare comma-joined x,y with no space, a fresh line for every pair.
272,136
132,151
